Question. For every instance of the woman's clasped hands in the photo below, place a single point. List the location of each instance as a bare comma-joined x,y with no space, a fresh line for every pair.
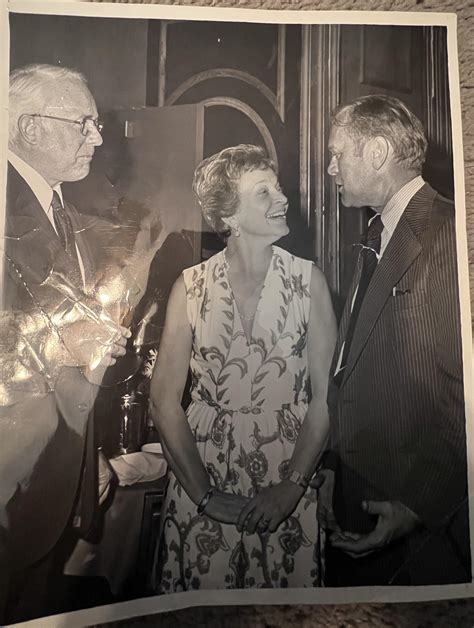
225,507
271,506
262,513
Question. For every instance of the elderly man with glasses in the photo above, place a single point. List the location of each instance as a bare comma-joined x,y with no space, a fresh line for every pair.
58,341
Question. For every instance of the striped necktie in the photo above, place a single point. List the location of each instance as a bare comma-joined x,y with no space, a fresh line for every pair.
64,229
370,252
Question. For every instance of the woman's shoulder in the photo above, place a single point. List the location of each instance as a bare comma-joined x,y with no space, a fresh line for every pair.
198,271
308,269
293,260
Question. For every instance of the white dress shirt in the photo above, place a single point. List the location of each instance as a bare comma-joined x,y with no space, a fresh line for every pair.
393,210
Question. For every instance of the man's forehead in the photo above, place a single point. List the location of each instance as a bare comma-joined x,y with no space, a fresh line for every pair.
337,135
70,95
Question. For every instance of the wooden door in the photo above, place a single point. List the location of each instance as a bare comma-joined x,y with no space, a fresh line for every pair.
246,76
148,155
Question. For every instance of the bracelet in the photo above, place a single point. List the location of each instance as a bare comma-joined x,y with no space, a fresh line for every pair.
205,500
298,478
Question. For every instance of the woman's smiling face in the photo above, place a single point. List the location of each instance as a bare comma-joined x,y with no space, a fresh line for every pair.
262,205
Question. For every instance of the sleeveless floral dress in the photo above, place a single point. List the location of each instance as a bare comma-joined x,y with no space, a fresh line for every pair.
248,403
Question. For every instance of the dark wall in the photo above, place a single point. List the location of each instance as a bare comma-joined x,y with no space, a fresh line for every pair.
112,53
242,63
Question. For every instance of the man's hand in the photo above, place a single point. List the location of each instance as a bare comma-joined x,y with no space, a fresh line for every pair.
87,344
270,507
323,482
225,507
395,521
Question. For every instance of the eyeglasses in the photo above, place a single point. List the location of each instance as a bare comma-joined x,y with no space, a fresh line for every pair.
87,125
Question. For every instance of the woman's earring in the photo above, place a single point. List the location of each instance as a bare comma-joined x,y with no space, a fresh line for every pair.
236,231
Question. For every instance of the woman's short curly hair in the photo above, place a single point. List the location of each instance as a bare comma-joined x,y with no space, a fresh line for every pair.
216,179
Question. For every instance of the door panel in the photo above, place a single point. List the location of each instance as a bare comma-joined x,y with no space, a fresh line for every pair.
382,60
148,156
247,78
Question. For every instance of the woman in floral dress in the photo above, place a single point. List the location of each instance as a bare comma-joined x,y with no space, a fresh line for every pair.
256,326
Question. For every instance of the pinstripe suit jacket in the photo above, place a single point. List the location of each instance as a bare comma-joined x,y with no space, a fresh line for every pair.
46,448
397,419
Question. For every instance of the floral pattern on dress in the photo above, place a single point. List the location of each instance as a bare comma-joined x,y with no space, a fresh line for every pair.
249,400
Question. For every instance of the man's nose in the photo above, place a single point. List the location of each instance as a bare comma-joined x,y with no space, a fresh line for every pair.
332,168
94,137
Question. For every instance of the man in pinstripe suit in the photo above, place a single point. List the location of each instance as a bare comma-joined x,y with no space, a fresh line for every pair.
398,511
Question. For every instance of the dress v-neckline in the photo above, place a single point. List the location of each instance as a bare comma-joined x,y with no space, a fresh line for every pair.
234,301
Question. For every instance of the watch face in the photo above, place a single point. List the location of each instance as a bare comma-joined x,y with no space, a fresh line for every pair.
298,478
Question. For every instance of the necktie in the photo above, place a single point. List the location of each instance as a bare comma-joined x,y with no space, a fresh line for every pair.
64,228
370,251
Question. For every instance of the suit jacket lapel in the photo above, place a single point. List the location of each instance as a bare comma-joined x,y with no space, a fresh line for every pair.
83,246
346,314
402,249
25,212
31,238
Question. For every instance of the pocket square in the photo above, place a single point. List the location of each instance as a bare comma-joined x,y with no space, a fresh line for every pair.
398,292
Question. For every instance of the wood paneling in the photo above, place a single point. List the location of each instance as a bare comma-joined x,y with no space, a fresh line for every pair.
247,78
319,96
388,66
383,60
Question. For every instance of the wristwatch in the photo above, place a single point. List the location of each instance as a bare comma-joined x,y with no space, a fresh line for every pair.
205,500
298,478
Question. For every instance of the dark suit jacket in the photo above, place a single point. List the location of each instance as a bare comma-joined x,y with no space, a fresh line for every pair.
44,458
397,420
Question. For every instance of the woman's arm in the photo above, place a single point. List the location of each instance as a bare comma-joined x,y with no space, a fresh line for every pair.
167,386
276,503
322,332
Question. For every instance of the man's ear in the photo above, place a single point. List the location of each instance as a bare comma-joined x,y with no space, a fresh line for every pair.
28,129
379,150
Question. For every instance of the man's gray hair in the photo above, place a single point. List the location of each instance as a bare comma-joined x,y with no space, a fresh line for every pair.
29,93
388,117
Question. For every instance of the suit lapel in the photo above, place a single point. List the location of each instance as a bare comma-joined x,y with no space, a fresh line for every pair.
25,212
402,249
32,242
83,246
346,314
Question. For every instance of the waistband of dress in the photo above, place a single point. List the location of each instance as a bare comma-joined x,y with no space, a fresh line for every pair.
255,410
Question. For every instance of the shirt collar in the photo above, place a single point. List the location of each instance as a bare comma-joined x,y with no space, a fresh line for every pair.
40,188
395,207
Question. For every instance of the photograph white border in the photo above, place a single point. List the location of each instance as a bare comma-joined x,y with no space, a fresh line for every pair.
151,605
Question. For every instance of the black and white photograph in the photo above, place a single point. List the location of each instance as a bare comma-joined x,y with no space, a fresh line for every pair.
235,319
